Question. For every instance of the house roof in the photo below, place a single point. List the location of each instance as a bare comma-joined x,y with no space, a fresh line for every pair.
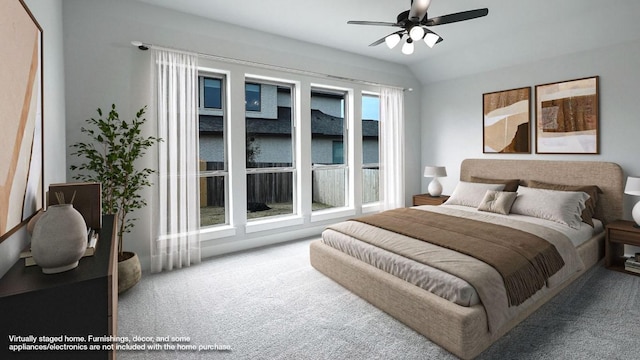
321,124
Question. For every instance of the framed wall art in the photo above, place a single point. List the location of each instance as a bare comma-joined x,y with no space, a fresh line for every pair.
507,121
21,166
567,117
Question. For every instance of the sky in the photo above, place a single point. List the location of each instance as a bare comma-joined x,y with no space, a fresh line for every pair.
370,108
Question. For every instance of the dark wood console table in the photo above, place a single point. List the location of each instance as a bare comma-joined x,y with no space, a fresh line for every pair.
75,303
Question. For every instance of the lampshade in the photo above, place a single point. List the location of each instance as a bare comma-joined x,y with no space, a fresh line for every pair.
435,171
392,40
633,186
407,48
431,39
416,33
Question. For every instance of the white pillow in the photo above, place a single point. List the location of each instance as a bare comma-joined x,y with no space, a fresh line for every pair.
563,207
471,194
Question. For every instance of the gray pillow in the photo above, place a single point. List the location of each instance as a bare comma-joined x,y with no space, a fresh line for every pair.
498,201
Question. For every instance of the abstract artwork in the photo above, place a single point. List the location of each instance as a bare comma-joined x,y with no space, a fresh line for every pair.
507,121
567,117
21,193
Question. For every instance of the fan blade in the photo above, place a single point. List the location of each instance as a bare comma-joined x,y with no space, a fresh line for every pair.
380,41
377,23
451,18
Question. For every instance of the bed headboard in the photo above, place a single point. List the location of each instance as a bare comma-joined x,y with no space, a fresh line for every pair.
607,175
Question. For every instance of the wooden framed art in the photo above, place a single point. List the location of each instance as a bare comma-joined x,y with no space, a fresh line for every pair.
507,121
567,117
21,164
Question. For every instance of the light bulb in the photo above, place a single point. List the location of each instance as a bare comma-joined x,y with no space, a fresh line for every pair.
392,40
407,48
416,33
431,39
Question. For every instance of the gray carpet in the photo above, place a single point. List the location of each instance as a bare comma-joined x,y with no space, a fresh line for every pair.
270,303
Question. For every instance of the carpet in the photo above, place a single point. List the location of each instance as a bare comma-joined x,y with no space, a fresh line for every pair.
269,303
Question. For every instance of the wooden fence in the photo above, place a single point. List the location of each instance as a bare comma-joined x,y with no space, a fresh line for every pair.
327,186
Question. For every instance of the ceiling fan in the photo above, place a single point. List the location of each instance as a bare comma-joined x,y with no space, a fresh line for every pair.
414,24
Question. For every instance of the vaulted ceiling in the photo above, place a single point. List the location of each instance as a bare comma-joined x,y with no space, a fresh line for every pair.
514,32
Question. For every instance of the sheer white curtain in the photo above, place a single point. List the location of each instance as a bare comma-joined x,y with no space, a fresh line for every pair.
392,148
178,242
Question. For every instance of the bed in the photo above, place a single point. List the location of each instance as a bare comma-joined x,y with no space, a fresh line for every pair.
467,327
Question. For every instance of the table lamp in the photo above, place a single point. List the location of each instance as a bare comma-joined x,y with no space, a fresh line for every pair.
435,188
633,188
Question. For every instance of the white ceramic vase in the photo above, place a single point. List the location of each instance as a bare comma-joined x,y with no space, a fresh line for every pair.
59,239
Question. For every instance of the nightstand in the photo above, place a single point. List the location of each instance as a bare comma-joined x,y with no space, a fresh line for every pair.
618,234
426,199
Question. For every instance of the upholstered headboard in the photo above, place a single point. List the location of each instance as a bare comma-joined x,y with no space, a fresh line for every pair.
607,175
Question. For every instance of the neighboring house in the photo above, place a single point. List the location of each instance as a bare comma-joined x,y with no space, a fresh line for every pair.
269,131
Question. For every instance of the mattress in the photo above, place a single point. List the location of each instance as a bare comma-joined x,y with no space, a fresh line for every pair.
434,280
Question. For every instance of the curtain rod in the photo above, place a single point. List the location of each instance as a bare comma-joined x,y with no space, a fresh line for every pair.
147,46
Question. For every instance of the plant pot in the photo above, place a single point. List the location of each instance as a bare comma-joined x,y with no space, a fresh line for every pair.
129,271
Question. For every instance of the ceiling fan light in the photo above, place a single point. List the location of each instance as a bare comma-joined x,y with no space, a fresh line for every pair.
392,40
407,48
416,33
431,39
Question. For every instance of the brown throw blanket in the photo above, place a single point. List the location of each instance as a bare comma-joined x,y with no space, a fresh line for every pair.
524,261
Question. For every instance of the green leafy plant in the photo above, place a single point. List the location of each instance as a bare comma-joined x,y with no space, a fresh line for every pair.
109,158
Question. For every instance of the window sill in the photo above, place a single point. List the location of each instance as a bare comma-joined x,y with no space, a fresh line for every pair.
330,214
217,232
273,223
370,208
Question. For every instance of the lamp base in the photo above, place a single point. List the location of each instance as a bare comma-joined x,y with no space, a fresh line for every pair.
635,214
435,188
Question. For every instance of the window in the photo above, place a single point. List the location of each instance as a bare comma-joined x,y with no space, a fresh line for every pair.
270,160
328,149
212,140
250,179
210,93
338,152
370,148
252,97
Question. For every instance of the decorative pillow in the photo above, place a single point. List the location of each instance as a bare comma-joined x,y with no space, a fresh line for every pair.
563,207
471,194
592,190
497,201
509,185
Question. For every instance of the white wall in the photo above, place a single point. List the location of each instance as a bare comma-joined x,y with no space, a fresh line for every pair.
103,68
48,13
452,120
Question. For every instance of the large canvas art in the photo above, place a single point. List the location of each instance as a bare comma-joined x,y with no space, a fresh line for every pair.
507,121
567,117
21,188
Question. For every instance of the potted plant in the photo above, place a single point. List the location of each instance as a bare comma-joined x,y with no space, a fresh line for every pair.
109,158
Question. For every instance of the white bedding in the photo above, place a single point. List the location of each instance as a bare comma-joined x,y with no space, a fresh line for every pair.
577,236
439,282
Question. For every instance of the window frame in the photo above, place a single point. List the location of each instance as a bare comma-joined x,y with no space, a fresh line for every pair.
293,168
347,145
372,205
225,172
305,220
